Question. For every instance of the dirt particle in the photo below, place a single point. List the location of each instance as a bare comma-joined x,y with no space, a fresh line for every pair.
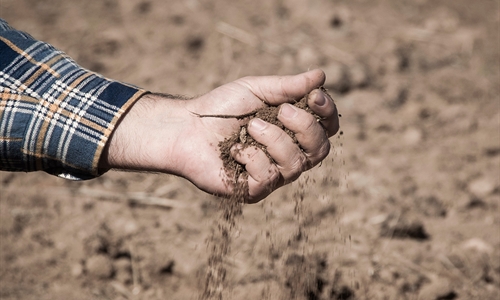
195,44
178,20
144,7
168,268
340,18
400,227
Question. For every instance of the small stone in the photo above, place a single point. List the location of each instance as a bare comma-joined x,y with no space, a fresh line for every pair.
337,77
76,270
412,136
399,227
386,275
307,57
99,266
358,76
481,187
478,245
123,227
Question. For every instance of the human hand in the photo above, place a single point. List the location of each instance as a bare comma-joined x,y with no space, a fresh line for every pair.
166,135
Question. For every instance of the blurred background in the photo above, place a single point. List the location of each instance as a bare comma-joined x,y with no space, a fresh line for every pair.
405,207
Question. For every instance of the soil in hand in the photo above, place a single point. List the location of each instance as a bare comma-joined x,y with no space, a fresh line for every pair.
234,169
231,207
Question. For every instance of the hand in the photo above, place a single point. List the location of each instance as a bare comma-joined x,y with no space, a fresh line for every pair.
166,135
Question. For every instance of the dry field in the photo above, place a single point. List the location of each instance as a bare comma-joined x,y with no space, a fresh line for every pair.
405,207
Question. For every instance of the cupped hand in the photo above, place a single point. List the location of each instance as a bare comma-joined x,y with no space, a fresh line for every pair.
167,135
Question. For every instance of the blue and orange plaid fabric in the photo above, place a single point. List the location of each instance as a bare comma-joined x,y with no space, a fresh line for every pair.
55,116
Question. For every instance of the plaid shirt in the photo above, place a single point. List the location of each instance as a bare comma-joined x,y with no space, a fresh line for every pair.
55,116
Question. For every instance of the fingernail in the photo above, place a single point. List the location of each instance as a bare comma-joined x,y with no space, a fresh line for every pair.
320,99
258,124
288,111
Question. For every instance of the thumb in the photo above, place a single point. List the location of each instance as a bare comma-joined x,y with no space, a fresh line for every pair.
275,90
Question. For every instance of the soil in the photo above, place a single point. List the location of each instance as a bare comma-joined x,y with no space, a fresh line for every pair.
267,113
406,206
220,240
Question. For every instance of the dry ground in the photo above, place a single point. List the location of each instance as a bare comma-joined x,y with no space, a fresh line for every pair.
405,207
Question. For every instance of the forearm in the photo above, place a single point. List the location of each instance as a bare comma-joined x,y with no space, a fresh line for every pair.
147,136
54,115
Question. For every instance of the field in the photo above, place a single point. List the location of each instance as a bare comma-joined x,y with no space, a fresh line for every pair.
406,206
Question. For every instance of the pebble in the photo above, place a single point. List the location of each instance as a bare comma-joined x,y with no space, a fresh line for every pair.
386,275
412,136
478,245
307,57
99,266
396,227
358,76
124,227
481,187
337,77
76,270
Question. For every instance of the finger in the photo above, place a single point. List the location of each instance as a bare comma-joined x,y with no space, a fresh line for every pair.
257,164
275,90
323,105
310,135
289,158
263,175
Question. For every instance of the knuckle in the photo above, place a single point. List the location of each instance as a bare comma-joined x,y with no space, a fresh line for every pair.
251,154
324,150
298,165
316,156
311,124
276,136
266,176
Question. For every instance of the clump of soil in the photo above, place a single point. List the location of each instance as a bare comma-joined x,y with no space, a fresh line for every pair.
231,207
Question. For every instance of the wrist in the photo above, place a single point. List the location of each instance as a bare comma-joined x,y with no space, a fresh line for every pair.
146,137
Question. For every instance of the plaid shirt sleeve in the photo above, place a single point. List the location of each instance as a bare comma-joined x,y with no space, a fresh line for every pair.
55,116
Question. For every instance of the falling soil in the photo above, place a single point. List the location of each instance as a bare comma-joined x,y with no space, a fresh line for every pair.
230,208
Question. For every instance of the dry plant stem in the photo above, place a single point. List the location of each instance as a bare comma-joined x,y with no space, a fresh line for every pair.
238,117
